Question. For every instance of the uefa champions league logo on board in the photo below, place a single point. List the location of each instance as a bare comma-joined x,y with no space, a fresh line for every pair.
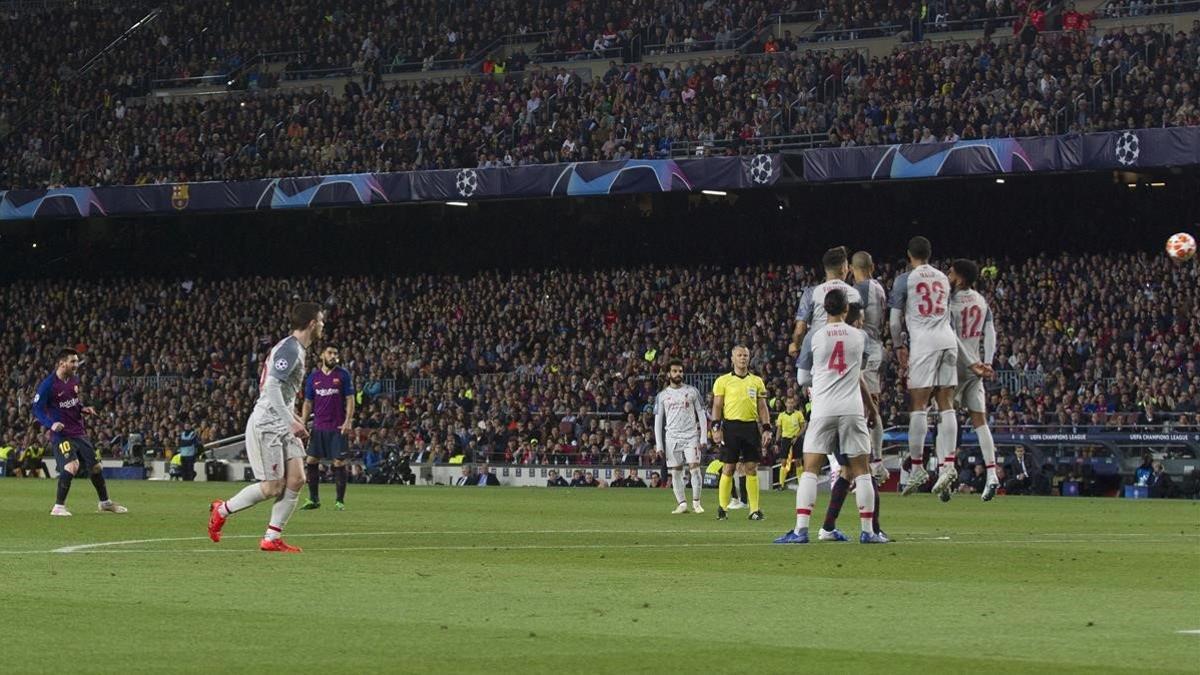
466,182
760,169
1128,149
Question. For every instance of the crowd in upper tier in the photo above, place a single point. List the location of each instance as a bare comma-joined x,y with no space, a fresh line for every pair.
63,126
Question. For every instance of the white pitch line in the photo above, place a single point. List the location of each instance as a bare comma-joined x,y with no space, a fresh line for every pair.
1188,632
84,547
1113,537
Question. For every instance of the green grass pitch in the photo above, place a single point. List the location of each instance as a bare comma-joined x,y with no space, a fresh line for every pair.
532,580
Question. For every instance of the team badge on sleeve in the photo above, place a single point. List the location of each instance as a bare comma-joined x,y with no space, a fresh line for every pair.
281,364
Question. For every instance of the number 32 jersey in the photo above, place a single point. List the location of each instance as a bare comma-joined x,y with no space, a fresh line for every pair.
837,365
924,296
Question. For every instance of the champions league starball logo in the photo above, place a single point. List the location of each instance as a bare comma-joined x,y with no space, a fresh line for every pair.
760,169
1127,149
466,182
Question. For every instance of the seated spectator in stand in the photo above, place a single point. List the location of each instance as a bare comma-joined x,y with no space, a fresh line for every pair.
465,478
486,477
555,480
578,480
1161,485
634,480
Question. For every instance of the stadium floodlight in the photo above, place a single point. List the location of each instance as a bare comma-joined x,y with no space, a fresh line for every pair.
714,193
999,181
457,204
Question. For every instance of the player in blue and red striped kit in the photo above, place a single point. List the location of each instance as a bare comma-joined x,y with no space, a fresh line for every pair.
58,406
329,396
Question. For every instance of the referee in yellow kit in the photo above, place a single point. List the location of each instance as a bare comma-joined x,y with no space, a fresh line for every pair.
741,427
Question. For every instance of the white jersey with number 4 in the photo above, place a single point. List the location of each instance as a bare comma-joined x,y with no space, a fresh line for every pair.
924,296
837,365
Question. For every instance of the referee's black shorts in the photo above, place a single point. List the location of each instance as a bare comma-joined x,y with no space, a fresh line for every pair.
743,442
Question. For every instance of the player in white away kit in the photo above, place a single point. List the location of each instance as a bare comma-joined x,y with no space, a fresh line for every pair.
680,427
972,321
874,316
811,315
274,433
920,301
840,403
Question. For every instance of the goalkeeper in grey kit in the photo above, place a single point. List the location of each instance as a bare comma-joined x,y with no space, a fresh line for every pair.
680,429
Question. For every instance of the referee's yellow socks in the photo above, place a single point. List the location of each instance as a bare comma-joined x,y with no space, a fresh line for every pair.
752,488
724,490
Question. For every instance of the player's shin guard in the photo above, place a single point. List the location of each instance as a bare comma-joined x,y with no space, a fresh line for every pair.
947,437
677,485
806,497
281,512
249,496
751,491
724,489
100,485
64,487
312,473
339,480
697,483
918,426
837,496
864,494
988,447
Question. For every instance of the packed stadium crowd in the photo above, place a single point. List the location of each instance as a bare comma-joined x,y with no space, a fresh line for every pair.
543,367
921,93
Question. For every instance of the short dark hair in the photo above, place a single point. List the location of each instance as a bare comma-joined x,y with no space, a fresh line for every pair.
920,248
835,302
304,313
332,346
834,258
967,270
674,362
853,312
64,354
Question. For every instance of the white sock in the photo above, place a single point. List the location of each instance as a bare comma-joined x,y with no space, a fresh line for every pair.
833,464
918,426
806,497
988,447
877,439
947,436
677,484
864,494
697,483
249,496
281,512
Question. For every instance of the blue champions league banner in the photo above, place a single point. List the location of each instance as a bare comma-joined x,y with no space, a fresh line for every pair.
1129,150
549,180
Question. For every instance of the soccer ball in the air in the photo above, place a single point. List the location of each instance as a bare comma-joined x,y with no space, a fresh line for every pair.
1181,247
1128,149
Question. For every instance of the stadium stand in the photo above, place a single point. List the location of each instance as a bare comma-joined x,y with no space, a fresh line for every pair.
543,366
66,125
